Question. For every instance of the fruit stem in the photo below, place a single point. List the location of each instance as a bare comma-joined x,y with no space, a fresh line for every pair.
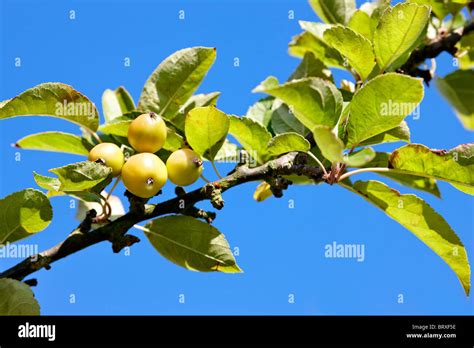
105,206
215,169
94,135
113,187
318,162
205,179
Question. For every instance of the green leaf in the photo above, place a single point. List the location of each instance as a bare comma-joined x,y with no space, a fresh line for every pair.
287,142
261,111
22,214
399,133
53,185
456,21
466,189
17,298
118,126
416,182
330,145
381,105
360,23
314,101
251,135
192,244
312,41
360,158
455,166
56,100
81,176
283,120
229,153
334,11
376,13
465,52
84,196
175,80
206,129
116,103
198,100
55,142
310,66
399,31
457,89
174,141
356,48
418,217
47,182
439,7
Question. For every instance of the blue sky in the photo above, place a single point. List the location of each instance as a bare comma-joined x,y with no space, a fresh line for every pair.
280,249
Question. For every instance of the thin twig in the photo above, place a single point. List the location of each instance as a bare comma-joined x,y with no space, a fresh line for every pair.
205,179
216,170
113,187
362,170
313,156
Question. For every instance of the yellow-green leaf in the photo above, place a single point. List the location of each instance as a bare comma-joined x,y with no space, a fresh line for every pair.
287,142
314,101
55,100
192,244
381,105
22,214
330,145
116,103
311,66
262,192
399,31
311,40
399,133
251,135
457,89
355,47
206,129
416,182
334,11
175,80
17,298
55,142
360,158
465,52
81,176
360,23
455,166
423,221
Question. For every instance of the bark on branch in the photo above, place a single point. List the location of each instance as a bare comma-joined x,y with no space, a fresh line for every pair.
292,163
443,43
115,232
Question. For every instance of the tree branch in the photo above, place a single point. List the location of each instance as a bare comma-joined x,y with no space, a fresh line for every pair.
115,232
442,43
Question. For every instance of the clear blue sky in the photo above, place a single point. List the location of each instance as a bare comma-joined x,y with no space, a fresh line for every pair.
281,249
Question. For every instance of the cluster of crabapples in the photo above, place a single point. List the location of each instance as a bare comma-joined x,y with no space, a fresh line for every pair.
144,173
